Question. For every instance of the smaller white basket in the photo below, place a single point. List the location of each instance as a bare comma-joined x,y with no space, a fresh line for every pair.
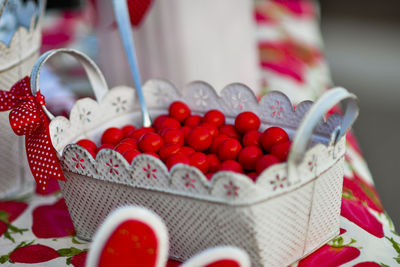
292,209
17,57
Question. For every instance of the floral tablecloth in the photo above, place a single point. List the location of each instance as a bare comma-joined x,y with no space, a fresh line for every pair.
38,229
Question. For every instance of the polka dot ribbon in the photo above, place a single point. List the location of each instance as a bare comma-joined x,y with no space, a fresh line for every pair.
28,118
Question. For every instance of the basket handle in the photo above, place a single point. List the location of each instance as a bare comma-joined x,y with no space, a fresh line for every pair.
310,121
93,72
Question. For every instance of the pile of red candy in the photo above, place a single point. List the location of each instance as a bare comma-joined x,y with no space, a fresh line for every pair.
206,143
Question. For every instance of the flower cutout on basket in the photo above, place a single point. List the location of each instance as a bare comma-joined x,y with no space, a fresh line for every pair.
134,236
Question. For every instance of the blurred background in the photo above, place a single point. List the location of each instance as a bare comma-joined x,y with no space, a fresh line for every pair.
362,46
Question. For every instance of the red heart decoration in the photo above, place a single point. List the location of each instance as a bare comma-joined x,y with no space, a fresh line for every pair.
133,243
137,10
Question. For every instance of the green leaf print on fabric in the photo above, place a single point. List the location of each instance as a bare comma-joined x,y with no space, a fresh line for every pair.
396,247
11,229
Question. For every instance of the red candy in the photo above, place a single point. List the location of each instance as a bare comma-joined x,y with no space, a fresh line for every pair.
213,163
209,175
168,150
175,159
253,175
230,131
214,117
249,156
199,138
273,136
157,122
128,129
150,142
131,141
187,150
185,130
169,123
193,121
229,149
112,136
252,138
211,128
200,161
104,146
179,111
130,155
211,145
281,150
138,133
231,165
152,154
173,136
124,147
266,161
247,121
88,144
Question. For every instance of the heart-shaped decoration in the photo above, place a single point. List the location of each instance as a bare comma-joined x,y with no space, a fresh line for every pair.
219,257
136,237
130,236
137,10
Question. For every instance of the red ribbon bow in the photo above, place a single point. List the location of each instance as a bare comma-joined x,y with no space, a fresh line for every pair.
28,118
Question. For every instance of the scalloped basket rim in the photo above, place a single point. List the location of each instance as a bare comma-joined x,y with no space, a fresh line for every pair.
209,184
29,31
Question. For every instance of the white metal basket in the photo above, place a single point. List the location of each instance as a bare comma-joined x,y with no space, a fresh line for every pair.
18,53
292,209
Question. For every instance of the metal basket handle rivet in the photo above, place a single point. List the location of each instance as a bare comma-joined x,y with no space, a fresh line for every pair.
96,78
311,120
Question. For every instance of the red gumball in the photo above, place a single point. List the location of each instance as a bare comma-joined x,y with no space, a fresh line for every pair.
249,156
273,136
281,150
229,149
192,121
150,142
230,131
130,155
104,146
89,145
200,161
112,136
214,117
173,136
128,129
169,123
199,138
252,138
138,133
152,154
185,130
211,128
217,141
167,150
209,175
187,150
179,111
177,158
253,176
157,122
93,153
266,161
231,165
213,163
247,121
124,147
131,141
